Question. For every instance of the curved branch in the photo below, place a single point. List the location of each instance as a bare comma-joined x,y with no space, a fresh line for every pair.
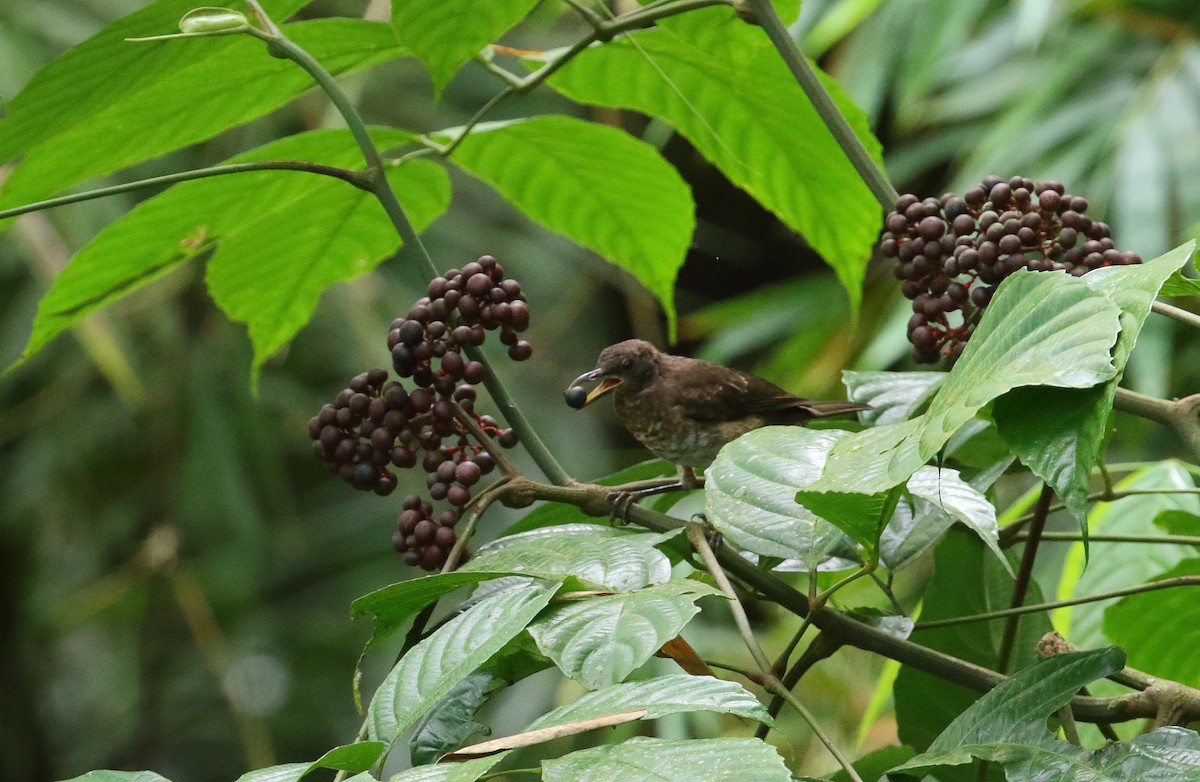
1182,415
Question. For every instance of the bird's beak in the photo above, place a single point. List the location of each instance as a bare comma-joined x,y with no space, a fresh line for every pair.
606,385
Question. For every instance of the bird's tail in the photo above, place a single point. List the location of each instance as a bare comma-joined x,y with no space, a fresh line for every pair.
826,409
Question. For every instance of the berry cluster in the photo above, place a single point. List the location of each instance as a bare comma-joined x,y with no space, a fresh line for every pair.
951,252
375,423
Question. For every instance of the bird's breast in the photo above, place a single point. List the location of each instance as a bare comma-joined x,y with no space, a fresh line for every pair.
662,427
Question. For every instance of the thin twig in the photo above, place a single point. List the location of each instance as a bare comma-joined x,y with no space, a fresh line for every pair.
1041,511
776,687
1177,313
1076,537
697,535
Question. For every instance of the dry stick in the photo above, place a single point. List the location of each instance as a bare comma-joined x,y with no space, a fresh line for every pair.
1024,575
697,535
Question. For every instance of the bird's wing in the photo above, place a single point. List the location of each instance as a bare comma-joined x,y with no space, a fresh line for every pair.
714,393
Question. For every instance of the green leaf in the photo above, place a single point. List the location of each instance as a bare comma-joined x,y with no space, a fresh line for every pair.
118,776
967,580
1178,285
231,80
1082,624
597,185
1009,723
1178,522
750,493
660,696
722,85
670,761
281,238
1044,328
948,492
105,70
861,516
354,758
445,34
588,554
1138,623
433,667
393,605
468,771
211,19
1058,434
893,396
449,724
598,641
874,764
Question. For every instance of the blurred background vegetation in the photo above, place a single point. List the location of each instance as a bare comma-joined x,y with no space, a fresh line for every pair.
175,568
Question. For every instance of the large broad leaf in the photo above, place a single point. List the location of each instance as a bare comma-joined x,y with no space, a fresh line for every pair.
451,721
1008,724
281,238
592,556
1058,434
599,641
750,493
893,396
354,758
670,761
1042,328
468,771
1138,623
967,580
599,186
660,696
433,667
231,81
106,69
444,34
118,776
721,84
945,490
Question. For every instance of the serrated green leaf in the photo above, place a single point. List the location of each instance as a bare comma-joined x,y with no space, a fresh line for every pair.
393,605
660,696
104,70
450,722
1082,624
354,758
1058,433
670,761
750,493
237,83
893,396
721,84
449,655
467,771
1138,624
118,776
1008,724
1044,328
598,641
445,34
597,185
596,559
274,254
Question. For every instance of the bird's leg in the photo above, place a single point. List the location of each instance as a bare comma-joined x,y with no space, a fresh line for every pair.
628,493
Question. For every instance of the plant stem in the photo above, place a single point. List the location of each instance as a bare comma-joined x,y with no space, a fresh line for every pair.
376,179
1075,537
1182,415
353,177
806,77
697,535
1176,313
1024,575
1167,583
776,687
1011,533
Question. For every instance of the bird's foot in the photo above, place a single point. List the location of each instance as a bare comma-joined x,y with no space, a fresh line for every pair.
713,536
627,494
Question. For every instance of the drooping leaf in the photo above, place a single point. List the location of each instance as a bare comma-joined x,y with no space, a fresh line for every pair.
893,396
750,493
1008,724
467,771
948,492
590,555
1058,433
670,761
1044,328
861,516
232,80
597,185
354,758
598,641
280,238
721,84
446,657
450,723
660,696
444,34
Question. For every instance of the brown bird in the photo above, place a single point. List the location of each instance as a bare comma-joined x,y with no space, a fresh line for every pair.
683,409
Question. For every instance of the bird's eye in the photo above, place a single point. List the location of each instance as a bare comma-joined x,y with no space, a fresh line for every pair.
627,364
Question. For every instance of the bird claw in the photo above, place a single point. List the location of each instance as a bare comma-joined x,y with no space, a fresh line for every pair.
713,536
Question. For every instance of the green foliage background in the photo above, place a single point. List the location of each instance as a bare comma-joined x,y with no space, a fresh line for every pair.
175,570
